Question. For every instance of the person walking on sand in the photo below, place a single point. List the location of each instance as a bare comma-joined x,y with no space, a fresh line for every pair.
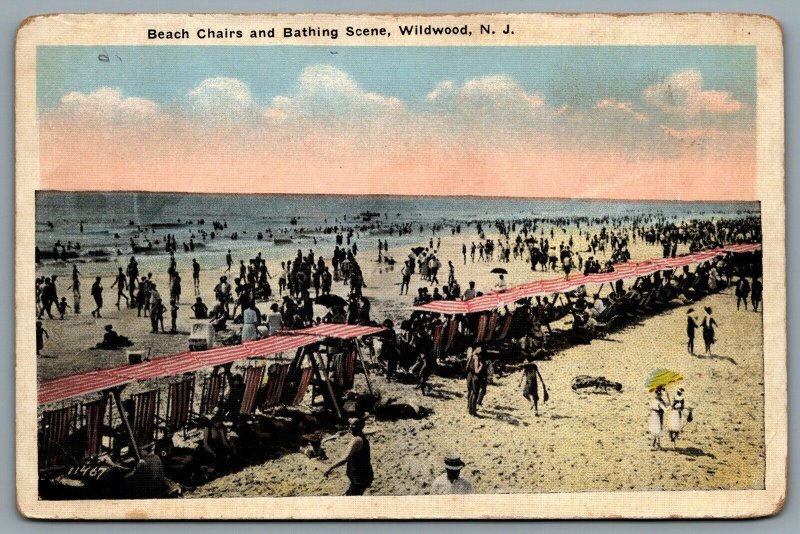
742,292
406,272
41,333
691,327
358,461
451,482
173,312
531,376
657,409
709,333
97,294
464,252
675,423
196,276
756,292
228,261
121,282
474,369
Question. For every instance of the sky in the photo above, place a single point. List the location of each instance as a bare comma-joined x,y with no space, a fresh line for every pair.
585,122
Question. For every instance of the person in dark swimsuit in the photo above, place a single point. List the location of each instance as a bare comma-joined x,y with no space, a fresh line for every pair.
691,326
357,458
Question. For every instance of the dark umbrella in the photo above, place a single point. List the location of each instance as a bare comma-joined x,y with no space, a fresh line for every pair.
330,301
417,250
499,270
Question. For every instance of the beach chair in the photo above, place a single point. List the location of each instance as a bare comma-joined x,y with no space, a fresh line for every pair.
302,387
253,376
56,426
276,378
509,318
93,414
450,334
438,331
145,415
180,397
480,331
211,394
490,327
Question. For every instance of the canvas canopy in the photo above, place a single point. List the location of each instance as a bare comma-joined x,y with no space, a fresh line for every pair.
621,271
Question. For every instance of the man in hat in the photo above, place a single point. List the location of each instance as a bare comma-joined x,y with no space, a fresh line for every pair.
451,482
357,458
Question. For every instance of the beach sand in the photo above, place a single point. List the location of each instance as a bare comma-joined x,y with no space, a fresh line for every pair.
581,442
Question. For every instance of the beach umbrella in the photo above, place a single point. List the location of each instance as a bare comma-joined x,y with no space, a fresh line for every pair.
330,301
499,270
661,378
417,250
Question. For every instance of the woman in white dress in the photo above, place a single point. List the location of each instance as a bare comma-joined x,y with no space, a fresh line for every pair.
251,321
675,423
713,279
657,410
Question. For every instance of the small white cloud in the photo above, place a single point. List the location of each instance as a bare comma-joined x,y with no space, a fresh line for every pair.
682,94
109,103
442,90
220,95
626,107
498,91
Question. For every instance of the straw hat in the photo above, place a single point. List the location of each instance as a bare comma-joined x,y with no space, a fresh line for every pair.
453,462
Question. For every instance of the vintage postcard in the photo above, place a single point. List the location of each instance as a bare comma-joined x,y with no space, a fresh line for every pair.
400,266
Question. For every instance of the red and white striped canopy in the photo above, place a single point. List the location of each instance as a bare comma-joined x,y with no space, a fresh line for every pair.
339,331
66,387
621,271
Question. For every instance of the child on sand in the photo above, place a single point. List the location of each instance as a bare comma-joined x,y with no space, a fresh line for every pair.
173,311
62,307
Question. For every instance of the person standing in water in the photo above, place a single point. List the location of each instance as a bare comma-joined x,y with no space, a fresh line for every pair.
358,461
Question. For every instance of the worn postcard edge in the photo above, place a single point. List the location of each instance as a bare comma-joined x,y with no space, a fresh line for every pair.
760,31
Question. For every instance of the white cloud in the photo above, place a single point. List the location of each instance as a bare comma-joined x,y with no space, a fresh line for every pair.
626,107
497,92
221,96
107,102
323,90
682,94
442,90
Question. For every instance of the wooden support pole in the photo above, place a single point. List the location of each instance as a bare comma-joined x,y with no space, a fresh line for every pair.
363,366
124,416
326,378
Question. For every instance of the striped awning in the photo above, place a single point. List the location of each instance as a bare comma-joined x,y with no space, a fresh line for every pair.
338,331
66,387
621,271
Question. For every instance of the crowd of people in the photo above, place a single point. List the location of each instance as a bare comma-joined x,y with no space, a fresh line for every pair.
307,279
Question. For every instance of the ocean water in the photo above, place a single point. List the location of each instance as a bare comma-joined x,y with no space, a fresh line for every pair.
111,220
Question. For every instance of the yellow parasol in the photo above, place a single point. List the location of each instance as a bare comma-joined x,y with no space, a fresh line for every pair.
661,377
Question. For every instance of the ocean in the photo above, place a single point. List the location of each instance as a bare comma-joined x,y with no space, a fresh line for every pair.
112,220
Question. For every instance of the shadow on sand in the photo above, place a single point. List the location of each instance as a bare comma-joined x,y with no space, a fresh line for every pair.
692,451
716,357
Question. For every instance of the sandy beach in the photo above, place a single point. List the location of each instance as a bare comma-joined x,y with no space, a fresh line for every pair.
581,442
